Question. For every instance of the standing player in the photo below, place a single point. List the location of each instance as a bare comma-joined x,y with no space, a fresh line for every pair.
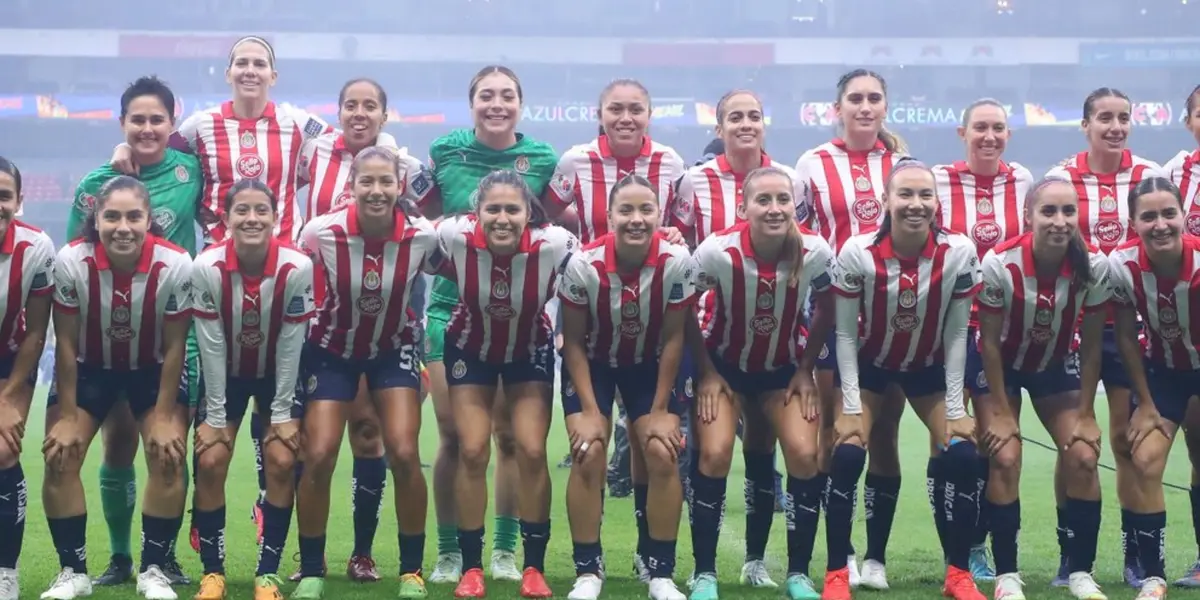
984,197
175,182
27,268
1103,175
844,177
459,161
910,286
123,302
504,261
625,299
1035,287
760,272
325,164
709,200
1156,276
366,257
253,299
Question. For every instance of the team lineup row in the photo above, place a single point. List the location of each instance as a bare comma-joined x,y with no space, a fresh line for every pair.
485,321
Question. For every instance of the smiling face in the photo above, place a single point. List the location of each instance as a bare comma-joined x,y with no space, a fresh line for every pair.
376,188
633,215
986,133
251,218
625,114
250,71
147,125
741,124
361,113
1108,126
1158,221
862,106
503,214
122,222
496,104
769,205
1054,216
912,201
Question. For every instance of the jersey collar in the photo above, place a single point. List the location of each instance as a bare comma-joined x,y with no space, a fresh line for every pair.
1190,245
143,264
479,239
1028,263
231,259
840,143
725,167
962,167
610,253
398,222
1081,163
887,251
606,150
227,111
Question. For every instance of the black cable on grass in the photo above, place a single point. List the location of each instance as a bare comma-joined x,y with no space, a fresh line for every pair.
1101,465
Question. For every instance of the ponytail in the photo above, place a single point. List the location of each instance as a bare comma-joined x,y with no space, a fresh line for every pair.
793,251
892,141
1080,260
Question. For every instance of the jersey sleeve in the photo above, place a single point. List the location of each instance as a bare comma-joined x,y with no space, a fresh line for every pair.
451,234
1099,289
210,338
308,153
418,180
206,292
802,195
81,208
41,256
426,242
991,296
819,263
850,271
572,288
683,214
706,261
967,281
681,284
1175,167
189,129
66,291
178,289
673,167
1120,281
564,247
298,291
564,182
311,126
310,244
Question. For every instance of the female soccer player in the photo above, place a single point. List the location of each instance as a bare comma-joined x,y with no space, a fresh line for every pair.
910,284
325,168
27,270
984,197
459,161
710,200
625,299
175,182
123,297
367,257
504,261
1035,286
760,272
844,178
1103,175
253,299
1156,276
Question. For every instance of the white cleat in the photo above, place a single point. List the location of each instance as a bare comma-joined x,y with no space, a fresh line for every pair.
663,588
10,587
587,587
1153,588
754,574
873,576
153,584
69,585
1009,587
852,567
1084,587
504,566
448,568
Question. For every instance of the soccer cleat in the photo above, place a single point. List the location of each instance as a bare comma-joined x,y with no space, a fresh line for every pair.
362,570
754,574
800,587
1133,574
852,569
10,587
1084,587
471,585
1063,578
1009,587
837,585
981,564
640,569
412,587
1192,579
691,580
1153,588
153,584
194,539
120,570
309,588
266,587
663,588
504,566
705,587
212,587
68,585
174,572
533,584
587,587
299,575
873,576
448,568
960,586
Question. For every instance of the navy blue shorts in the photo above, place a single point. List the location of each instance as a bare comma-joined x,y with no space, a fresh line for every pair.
915,384
637,384
239,391
686,380
1112,370
752,385
326,376
466,368
1171,389
98,390
6,367
1057,378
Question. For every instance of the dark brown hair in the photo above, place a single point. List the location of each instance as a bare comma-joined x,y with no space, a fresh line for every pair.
885,228
615,84
387,155
1089,103
488,70
891,141
91,233
1077,251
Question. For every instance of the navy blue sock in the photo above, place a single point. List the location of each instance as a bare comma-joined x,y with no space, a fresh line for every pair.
158,536
534,538
1151,530
1063,534
70,541
1194,495
1005,526
848,464
276,522
660,558
210,526
961,502
760,502
936,490
370,478
1129,541
312,556
983,523
802,509
1083,533
708,507
880,494
13,498
257,431
587,558
641,492
412,552
470,542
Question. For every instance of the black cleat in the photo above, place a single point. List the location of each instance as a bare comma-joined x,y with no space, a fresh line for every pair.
566,462
174,572
119,571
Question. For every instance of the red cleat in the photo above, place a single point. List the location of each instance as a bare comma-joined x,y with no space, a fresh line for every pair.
960,585
258,521
362,570
194,538
471,585
837,585
299,574
533,584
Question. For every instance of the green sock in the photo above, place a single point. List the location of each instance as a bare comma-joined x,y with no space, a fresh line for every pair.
118,496
447,539
508,531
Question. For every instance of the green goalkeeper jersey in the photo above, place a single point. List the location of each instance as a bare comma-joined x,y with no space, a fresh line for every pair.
175,186
459,161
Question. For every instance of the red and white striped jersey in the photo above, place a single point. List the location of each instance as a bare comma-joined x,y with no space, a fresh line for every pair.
121,314
26,269
988,208
1103,210
1039,313
753,318
1184,170
625,311
903,302
845,188
586,173
1169,307
364,284
266,149
709,194
500,314
325,170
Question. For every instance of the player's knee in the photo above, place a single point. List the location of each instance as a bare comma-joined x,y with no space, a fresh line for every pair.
212,465
659,459
1081,458
65,471
280,463
1150,459
715,459
365,438
1117,440
8,458
506,442
801,458
532,451
447,436
474,456
404,458
1008,459
594,461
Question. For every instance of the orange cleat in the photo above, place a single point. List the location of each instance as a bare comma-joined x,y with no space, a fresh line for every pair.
533,584
960,585
837,585
471,585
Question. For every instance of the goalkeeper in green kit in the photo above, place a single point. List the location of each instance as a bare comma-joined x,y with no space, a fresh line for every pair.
175,181
459,160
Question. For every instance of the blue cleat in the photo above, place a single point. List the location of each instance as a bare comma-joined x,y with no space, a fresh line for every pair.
981,564
1063,578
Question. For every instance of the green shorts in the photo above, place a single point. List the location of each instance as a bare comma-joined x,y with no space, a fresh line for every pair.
437,317
191,368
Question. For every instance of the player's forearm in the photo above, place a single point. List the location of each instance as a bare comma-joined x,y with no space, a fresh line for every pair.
37,318
668,362
174,351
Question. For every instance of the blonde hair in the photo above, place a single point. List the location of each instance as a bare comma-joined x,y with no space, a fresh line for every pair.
794,246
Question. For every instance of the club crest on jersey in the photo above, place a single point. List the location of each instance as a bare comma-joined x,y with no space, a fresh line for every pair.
119,333
1109,231
862,184
370,305
521,165
908,299
459,370
372,281
181,174
249,166
1167,315
164,217
906,322
563,185
993,294
1043,316
207,302
313,128
85,201
765,301
250,339
251,318
248,140
984,207
763,324
1108,203
120,314
985,232
500,290
630,310
501,312
867,209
